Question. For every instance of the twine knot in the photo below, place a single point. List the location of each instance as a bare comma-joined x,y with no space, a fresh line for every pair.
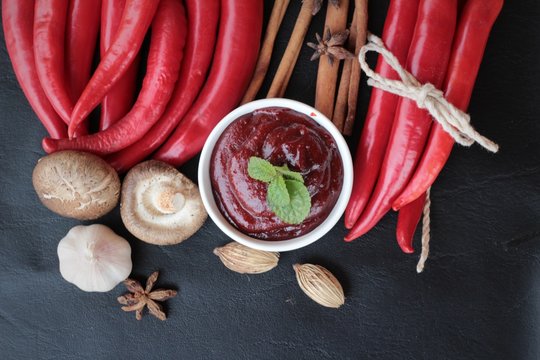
454,121
425,91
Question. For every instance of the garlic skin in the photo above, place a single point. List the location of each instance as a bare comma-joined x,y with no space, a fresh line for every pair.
94,258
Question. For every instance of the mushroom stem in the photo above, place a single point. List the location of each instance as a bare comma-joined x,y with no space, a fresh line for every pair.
178,201
168,201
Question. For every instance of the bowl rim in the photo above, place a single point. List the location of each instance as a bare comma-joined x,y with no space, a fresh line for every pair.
205,185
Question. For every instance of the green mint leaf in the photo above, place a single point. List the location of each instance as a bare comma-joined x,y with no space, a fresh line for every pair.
287,196
260,169
299,205
292,175
277,194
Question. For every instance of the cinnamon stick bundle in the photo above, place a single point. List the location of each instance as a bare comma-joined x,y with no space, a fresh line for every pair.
361,12
342,100
336,21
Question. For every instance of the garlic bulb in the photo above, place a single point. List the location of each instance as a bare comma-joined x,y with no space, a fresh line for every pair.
94,258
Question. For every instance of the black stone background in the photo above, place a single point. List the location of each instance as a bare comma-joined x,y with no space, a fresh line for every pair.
479,297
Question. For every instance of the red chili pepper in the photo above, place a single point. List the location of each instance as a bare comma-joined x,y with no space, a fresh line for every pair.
408,218
234,62
81,37
472,34
397,35
82,26
164,59
427,61
49,29
136,19
120,98
18,23
203,17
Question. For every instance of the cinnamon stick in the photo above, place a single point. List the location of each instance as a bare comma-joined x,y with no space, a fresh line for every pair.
288,61
336,21
342,100
278,12
361,12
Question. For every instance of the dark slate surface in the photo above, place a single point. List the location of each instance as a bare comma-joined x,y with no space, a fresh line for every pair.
479,297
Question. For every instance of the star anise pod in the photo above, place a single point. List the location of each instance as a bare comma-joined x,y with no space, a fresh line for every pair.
331,45
139,297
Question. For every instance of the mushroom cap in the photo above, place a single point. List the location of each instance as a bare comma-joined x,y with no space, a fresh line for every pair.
159,205
94,258
76,184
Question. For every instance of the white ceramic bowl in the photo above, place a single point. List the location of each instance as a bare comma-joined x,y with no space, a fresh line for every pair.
205,184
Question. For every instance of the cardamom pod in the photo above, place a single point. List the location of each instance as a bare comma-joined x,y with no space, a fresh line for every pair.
245,260
320,285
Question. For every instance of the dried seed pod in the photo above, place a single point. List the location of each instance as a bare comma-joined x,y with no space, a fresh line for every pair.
245,260
320,285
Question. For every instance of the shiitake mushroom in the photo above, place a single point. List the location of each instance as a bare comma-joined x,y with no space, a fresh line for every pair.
160,205
76,184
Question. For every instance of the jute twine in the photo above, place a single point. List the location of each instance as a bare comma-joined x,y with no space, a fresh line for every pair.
454,121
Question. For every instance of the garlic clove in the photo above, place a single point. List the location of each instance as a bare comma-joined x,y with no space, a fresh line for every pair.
94,258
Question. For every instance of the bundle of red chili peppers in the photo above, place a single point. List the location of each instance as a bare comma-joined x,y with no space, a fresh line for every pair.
199,63
401,150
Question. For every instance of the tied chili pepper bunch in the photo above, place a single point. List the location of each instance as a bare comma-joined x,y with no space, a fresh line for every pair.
198,52
401,152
